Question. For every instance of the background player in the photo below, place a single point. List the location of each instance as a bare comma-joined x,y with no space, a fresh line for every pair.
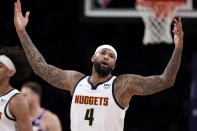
14,111
42,119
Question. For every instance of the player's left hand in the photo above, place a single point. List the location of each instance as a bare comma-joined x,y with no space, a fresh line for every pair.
178,33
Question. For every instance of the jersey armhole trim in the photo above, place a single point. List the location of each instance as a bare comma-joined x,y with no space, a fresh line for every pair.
78,83
5,110
115,97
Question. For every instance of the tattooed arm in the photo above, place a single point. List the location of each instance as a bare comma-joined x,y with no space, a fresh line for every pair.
57,77
128,85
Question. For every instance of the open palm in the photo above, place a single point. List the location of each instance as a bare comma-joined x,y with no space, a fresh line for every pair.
178,33
19,20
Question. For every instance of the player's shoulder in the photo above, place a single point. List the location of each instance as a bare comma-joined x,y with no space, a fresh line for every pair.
127,78
51,121
123,77
17,101
74,73
17,104
50,116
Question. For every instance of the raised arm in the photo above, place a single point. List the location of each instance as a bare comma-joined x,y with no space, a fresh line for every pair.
56,77
139,85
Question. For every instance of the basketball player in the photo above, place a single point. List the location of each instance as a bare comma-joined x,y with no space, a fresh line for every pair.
14,112
99,101
42,119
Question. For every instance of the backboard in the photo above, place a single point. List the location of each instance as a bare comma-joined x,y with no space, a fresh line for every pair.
126,9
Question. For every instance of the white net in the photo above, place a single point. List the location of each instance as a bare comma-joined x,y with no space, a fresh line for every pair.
157,20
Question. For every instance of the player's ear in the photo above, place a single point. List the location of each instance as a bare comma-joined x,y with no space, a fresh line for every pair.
93,58
10,73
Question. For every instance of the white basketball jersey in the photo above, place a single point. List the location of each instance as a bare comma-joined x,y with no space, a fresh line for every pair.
94,108
7,122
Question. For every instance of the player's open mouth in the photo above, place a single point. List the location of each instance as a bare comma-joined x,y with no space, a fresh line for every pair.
104,64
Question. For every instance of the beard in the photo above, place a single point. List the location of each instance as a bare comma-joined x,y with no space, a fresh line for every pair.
101,71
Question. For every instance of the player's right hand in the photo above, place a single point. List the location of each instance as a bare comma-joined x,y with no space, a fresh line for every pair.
20,21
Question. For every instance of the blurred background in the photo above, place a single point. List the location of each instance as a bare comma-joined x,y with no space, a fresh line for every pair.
67,38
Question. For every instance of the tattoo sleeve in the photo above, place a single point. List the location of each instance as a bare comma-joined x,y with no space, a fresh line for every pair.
139,85
173,66
153,84
56,77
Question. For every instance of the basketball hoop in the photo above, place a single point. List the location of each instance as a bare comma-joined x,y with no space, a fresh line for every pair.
158,16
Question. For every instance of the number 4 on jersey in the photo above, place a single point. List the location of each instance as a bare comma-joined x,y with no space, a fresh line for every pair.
90,116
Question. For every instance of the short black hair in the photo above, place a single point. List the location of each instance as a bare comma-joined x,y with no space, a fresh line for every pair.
34,86
17,56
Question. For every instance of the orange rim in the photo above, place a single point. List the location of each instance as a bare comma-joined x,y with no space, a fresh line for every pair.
166,8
